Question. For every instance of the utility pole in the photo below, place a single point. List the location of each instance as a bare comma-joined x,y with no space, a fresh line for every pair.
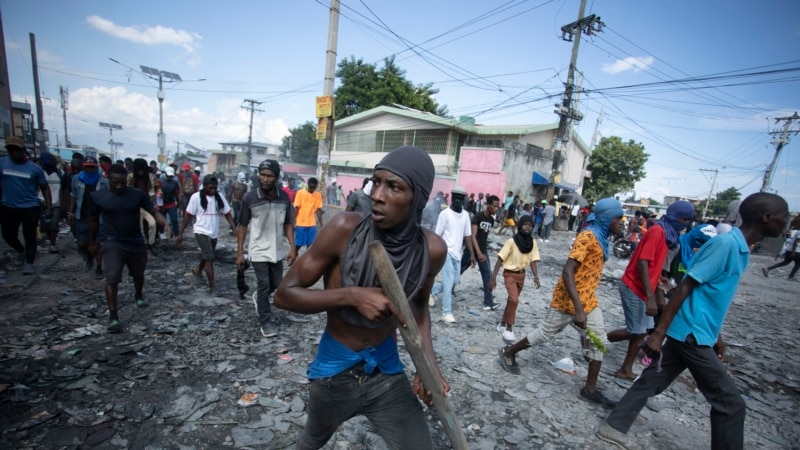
179,146
324,149
710,192
252,109
64,107
39,138
567,114
779,143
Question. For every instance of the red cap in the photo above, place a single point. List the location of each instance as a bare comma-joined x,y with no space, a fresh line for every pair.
186,166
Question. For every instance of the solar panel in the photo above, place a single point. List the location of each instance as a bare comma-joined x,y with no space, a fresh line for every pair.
150,70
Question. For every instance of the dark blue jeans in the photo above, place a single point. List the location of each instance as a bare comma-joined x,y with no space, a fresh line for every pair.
268,277
172,219
386,400
727,406
486,276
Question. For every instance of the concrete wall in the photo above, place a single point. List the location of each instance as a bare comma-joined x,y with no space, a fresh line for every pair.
480,171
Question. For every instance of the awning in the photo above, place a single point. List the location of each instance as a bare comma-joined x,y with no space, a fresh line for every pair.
539,179
356,164
566,186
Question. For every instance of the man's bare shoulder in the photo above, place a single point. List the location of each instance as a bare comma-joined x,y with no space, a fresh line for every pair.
436,245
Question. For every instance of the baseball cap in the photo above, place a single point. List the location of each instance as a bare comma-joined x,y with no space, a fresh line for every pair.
90,161
544,202
186,166
170,171
197,169
15,141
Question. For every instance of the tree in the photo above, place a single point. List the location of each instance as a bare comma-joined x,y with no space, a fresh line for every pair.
719,205
304,144
364,86
616,166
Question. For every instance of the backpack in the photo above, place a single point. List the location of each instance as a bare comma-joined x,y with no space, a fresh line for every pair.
168,190
187,185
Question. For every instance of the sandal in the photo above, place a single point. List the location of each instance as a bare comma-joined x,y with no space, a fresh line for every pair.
509,362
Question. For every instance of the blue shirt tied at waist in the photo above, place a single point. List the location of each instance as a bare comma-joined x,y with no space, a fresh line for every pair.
334,358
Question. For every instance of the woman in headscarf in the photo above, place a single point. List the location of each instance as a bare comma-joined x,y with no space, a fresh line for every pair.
575,299
517,253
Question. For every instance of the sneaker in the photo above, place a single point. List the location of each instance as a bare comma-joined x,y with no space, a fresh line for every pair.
495,306
509,336
501,328
765,271
141,303
431,300
547,240
114,326
541,240
448,318
597,397
611,435
509,362
53,249
163,236
269,329
27,269
487,308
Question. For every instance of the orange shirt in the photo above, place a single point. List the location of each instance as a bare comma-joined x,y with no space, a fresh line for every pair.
307,204
586,251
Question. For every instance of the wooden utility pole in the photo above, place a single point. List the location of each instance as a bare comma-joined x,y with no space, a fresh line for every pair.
324,148
779,144
252,109
38,136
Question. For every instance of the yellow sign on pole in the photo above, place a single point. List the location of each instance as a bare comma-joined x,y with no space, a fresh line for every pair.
325,106
322,129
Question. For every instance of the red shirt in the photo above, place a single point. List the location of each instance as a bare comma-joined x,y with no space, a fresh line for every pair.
652,248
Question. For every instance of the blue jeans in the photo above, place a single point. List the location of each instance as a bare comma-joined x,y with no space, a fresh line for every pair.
386,400
268,277
486,276
451,274
172,218
546,230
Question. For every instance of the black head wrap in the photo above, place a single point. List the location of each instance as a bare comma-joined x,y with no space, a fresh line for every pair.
406,244
524,242
271,165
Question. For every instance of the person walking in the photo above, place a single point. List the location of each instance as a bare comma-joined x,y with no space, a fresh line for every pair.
516,254
268,212
574,211
575,302
83,184
357,368
237,191
124,245
789,251
453,225
482,224
50,219
548,216
206,206
20,179
170,196
308,204
638,284
360,201
692,322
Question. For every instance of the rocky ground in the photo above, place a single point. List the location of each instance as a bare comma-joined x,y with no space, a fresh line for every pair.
191,371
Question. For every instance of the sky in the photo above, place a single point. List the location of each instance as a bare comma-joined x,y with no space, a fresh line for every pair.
699,84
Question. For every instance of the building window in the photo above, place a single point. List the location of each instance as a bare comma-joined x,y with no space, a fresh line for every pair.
434,142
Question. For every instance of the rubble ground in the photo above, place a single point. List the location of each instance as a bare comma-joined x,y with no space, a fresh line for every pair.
191,371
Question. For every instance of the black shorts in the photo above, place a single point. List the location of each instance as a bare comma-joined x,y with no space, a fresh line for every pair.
207,246
115,258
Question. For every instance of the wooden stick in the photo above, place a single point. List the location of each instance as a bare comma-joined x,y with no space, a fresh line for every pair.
416,348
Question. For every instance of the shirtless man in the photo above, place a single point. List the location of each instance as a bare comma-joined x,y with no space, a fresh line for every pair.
357,357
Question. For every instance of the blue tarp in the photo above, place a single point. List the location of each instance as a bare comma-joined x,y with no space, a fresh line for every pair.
566,186
539,179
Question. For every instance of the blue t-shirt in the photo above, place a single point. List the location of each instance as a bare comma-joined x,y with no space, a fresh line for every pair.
20,183
718,266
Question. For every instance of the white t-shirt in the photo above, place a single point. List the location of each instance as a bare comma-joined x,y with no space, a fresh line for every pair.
452,227
206,222
789,242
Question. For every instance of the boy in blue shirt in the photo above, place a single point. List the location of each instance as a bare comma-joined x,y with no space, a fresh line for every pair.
692,321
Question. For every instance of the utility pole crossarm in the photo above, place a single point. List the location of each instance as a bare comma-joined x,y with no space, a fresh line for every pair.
779,144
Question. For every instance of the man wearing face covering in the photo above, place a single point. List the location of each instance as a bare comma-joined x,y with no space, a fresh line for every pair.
454,226
357,369
638,284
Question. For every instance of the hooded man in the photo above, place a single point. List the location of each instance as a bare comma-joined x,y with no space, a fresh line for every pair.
455,228
358,350
638,285
575,302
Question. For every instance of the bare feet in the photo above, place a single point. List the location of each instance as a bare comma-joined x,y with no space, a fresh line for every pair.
630,376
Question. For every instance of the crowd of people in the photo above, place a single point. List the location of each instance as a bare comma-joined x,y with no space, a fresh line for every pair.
675,291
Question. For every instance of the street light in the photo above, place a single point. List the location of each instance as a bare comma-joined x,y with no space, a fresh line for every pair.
160,75
112,145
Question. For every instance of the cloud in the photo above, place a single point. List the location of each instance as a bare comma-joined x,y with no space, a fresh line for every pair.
148,35
633,63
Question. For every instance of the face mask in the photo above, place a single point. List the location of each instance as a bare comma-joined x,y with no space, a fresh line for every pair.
457,204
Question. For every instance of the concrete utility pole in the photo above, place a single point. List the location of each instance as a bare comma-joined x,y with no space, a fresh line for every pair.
324,149
567,114
710,192
252,109
779,144
64,107
39,137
